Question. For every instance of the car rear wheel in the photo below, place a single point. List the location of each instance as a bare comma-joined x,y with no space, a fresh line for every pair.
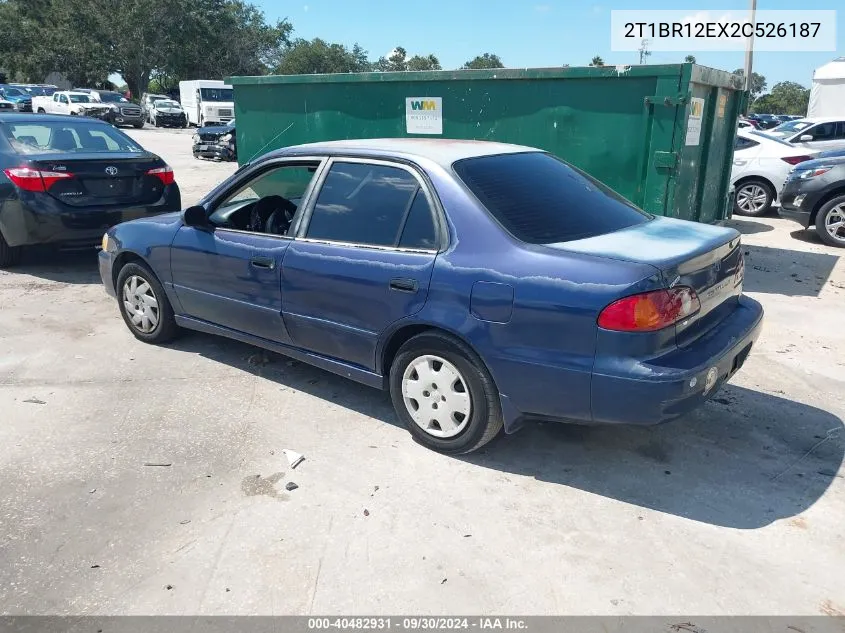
444,394
830,222
753,197
144,305
9,255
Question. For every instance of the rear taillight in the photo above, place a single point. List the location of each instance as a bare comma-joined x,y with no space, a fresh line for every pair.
650,311
165,174
30,179
794,160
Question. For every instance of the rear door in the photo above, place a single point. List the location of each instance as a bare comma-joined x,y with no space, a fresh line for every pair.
362,258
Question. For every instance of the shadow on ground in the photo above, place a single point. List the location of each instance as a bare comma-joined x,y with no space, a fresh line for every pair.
70,267
786,272
749,227
744,460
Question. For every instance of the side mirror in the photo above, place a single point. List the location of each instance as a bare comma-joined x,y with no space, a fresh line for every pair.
195,216
806,137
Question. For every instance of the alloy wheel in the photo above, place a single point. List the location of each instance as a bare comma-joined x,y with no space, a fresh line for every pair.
834,223
751,198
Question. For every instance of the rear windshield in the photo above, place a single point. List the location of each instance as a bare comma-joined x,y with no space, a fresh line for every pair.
539,199
61,137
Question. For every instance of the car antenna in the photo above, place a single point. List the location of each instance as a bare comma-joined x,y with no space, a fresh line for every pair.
251,158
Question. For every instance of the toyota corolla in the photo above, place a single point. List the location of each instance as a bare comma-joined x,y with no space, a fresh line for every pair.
64,179
482,284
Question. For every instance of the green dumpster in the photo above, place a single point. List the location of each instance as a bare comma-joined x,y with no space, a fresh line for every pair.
662,135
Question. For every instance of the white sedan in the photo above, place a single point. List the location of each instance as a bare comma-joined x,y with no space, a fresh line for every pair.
760,166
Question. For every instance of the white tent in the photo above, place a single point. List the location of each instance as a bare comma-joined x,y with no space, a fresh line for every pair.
827,96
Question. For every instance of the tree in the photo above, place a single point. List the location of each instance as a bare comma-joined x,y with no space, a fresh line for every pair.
320,57
418,62
690,59
487,60
597,61
86,40
786,97
758,82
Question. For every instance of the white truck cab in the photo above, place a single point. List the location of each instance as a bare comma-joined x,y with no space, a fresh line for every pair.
207,101
70,102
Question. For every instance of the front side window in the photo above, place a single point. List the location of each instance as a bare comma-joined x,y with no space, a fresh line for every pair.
539,199
822,132
373,205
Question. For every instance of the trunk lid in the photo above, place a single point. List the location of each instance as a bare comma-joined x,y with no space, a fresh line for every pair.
704,257
100,179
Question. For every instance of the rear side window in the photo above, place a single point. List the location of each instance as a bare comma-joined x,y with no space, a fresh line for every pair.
744,143
539,199
373,205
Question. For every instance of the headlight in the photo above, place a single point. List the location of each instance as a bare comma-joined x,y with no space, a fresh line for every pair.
806,174
105,243
195,138
225,138
115,107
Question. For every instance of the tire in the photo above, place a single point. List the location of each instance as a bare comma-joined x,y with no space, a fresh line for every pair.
41,111
165,328
138,126
832,212
476,417
758,199
9,255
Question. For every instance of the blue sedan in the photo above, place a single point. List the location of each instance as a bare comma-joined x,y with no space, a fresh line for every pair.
482,284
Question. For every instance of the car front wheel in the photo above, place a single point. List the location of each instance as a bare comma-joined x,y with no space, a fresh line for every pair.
753,198
144,305
830,222
444,394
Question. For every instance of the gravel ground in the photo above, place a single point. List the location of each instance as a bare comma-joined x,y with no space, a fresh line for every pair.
151,480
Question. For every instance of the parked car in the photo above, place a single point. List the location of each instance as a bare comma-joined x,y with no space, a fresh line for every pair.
217,142
122,112
767,121
814,195
482,284
21,99
6,106
147,101
74,103
760,166
167,113
747,124
822,133
63,180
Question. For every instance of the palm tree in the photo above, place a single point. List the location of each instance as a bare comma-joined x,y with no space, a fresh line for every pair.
597,61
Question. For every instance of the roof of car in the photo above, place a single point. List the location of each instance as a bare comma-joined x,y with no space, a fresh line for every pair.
441,151
29,117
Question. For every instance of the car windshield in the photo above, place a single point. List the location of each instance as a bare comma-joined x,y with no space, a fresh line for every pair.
217,94
112,97
542,200
80,99
56,137
14,92
792,126
167,103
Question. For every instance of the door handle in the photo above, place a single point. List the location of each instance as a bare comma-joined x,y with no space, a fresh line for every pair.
267,263
404,285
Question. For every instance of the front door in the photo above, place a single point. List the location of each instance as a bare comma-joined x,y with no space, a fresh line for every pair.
229,273
825,136
362,259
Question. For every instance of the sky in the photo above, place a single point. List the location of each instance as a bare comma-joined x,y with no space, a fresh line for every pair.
528,33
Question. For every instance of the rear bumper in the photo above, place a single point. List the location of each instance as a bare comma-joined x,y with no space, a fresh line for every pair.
28,221
632,391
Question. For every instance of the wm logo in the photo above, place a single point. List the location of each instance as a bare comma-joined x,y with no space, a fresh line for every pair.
423,105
